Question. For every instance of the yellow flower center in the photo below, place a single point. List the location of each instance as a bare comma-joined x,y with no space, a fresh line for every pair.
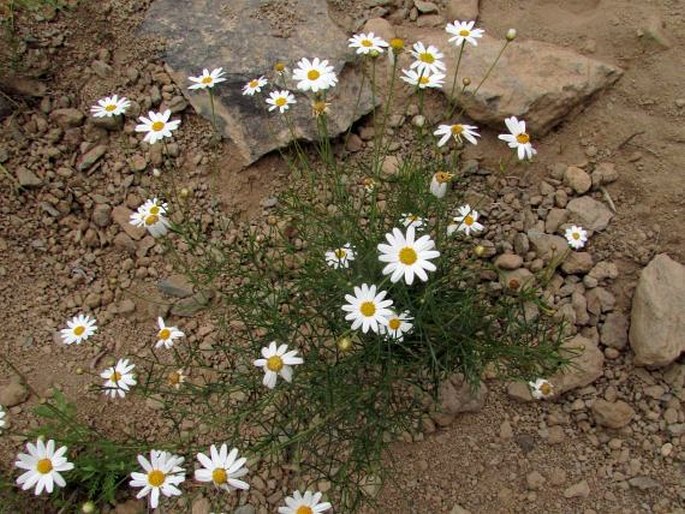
281,101
408,256
464,33
207,80
156,478
397,44
546,388
174,378
219,476
110,107
394,324
274,364
303,509
319,107
340,253
427,57
164,333
157,126
443,177
468,220
367,43
523,138
279,67
44,466
424,80
151,219
115,376
575,235
313,74
253,83
78,331
457,129
367,309
154,209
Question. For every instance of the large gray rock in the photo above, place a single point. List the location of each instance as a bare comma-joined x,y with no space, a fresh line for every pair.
657,319
591,214
246,38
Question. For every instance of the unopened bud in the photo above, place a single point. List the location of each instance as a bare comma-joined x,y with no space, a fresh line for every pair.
511,34
466,81
88,508
156,172
479,250
397,44
78,371
344,344
184,192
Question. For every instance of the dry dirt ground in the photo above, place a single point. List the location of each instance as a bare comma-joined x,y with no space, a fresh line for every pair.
510,457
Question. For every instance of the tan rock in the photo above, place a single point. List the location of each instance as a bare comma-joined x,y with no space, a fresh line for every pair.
612,414
586,365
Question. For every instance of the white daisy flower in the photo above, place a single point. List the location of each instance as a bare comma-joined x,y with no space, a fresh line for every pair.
315,75
340,257
157,126
281,100
422,80
466,222
463,31
166,335
541,389
367,309
255,86
3,421
439,183
406,257
118,379
428,60
304,504
155,206
110,106
207,79
576,237
79,329
367,43
43,466
222,468
518,138
457,131
176,378
412,220
151,215
277,361
162,474
398,325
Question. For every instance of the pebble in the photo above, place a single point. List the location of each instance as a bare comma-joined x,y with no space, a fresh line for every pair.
13,393
577,179
577,263
102,215
122,216
505,431
535,481
612,414
67,118
509,261
91,157
27,178
579,490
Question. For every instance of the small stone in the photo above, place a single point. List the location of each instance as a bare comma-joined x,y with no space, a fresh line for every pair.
508,261
577,263
604,270
604,173
201,505
91,157
587,365
122,216
614,330
27,178
556,435
102,215
535,481
521,244
245,509
644,483
138,163
612,414
589,213
381,28
123,242
13,393
505,430
458,509
131,507
579,490
555,218
425,7
190,306
391,165
577,179
102,69
354,143
177,104
519,391
547,246
176,285
67,118
126,306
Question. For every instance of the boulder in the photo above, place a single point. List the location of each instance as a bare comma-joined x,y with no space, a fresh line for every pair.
589,213
586,365
612,414
462,10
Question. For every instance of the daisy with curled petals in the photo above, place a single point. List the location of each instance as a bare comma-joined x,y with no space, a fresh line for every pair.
255,86
118,379
438,187
369,184
281,100
176,378
398,325
466,222
412,220
151,217
157,126
541,389
367,309
277,361
110,106
161,475
340,257
463,31
407,257
315,75
79,329
309,503
367,43
422,80
3,422
518,138
43,466
208,79
457,131
166,335
576,237
222,468
428,60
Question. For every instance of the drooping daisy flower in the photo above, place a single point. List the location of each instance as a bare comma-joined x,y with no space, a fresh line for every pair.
280,68
162,474
222,468
576,237
3,422
277,361
176,378
457,131
166,335
518,138
152,217
43,466
157,126
207,79
110,106
422,80
367,309
118,379
463,31
466,221
340,257
281,100
541,389
369,184
412,220
255,86
320,107
407,257
398,325
304,504
367,43
79,329
315,75
439,183
428,60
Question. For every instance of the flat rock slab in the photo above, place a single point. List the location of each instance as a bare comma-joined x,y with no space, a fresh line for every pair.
246,38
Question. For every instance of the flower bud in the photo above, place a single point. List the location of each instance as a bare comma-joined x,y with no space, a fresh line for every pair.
344,344
479,250
466,81
397,45
511,34
88,507
156,172
184,192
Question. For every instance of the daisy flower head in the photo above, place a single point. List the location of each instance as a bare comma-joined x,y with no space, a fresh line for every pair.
456,132
155,206
369,184
320,107
281,100
208,79
463,31
412,220
466,221
438,187
255,86
166,335
541,389
222,468
407,257
518,138
3,422
162,474
428,59
280,68
118,378
307,503
576,237
110,106
398,325
315,75
176,378
79,329
157,126
340,257
367,309
152,216
277,360
367,44
424,79
43,466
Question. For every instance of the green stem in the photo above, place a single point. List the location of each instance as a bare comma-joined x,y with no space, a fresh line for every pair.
456,72
487,73
211,103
